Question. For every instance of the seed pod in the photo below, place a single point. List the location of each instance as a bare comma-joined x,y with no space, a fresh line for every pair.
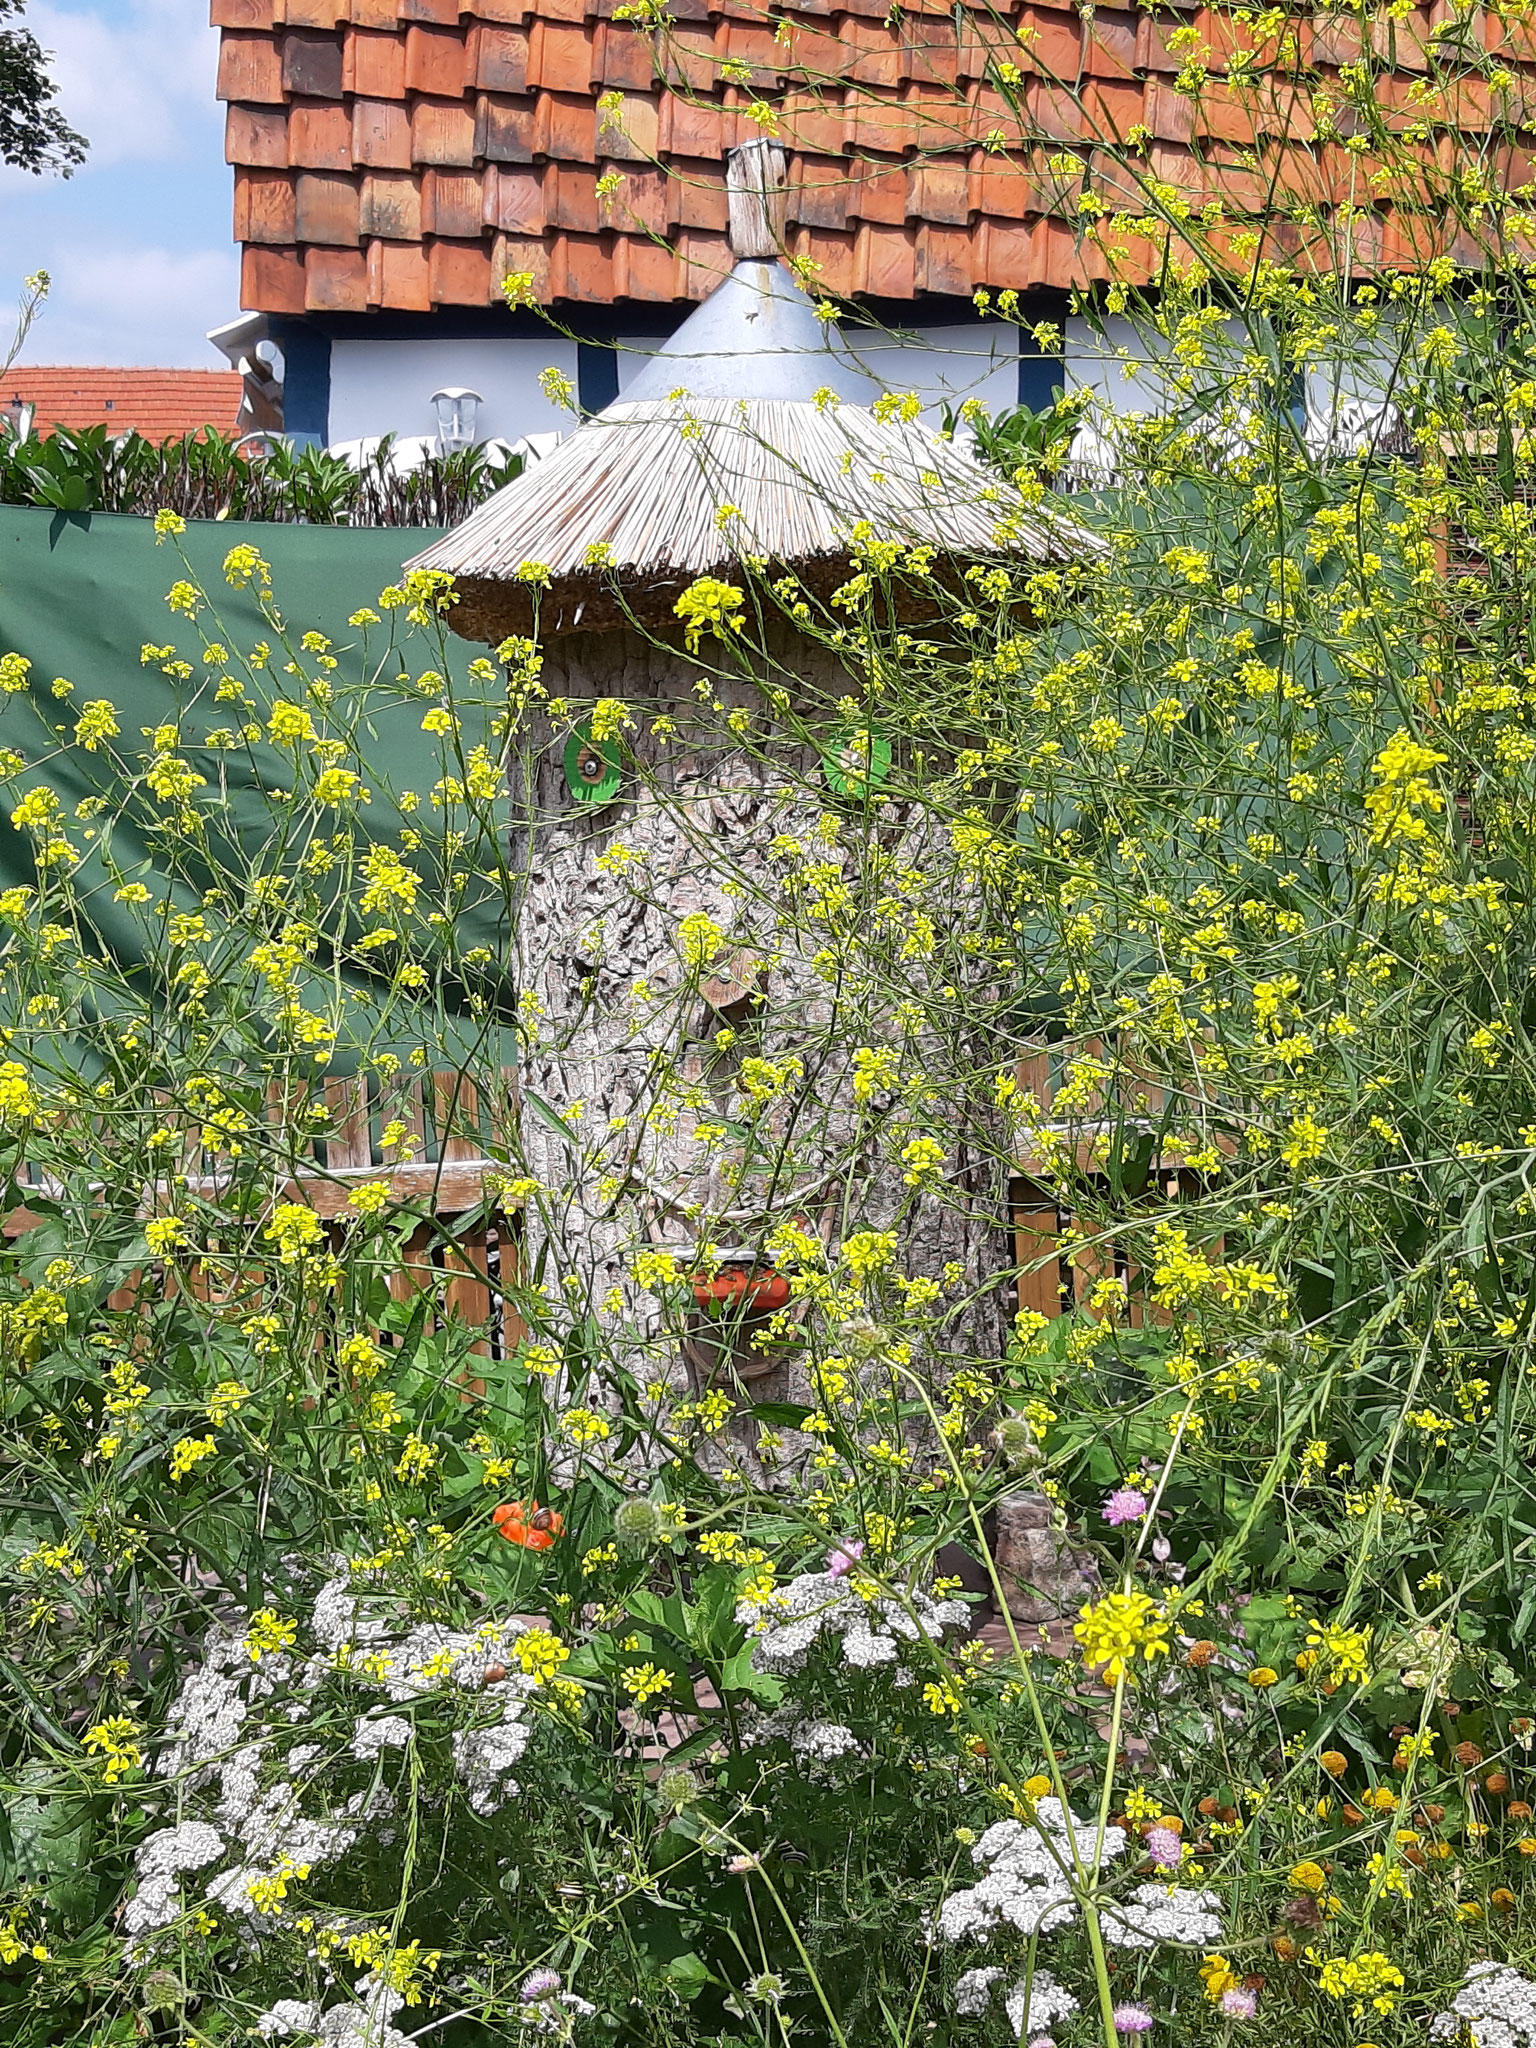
1518,1809
1201,1653
1208,1806
1496,1782
494,1674
1433,1815
1467,1754
1334,1763
1284,1948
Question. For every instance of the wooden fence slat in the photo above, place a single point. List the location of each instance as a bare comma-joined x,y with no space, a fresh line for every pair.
1090,1264
502,1113
509,1243
416,1272
347,1103
455,1113
467,1295
400,1102
1034,1072
1037,1241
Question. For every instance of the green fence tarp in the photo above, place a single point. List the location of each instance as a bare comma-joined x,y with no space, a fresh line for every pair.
81,595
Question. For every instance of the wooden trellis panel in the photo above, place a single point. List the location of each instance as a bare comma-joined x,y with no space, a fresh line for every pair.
453,1126
1052,1281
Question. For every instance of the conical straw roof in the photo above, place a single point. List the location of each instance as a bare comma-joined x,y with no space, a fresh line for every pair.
730,447
648,496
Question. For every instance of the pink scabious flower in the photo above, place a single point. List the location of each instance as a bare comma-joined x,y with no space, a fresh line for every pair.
1042,2041
1164,1847
843,1557
1125,1504
540,1985
1240,2004
1132,2019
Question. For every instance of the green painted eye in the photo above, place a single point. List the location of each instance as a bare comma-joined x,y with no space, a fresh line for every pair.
856,760
593,773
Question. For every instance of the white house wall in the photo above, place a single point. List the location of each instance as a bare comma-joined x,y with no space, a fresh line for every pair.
1372,376
386,387
634,351
944,365
1118,361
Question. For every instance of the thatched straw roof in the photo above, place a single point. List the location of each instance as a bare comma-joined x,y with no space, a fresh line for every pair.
729,447
648,496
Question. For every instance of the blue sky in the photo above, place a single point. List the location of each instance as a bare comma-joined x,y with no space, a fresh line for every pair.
138,242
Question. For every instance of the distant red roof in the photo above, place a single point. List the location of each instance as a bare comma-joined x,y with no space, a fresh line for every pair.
162,405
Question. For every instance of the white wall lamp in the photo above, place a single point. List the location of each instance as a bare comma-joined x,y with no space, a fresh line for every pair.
457,409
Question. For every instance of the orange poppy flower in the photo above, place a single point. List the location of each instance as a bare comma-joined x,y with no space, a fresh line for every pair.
528,1524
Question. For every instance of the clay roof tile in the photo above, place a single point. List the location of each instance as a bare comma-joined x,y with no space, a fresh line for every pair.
162,405
897,185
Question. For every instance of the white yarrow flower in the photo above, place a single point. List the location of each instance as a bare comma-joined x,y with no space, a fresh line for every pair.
288,2016
1032,2005
1496,2007
824,1602
1161,1912
1029,1874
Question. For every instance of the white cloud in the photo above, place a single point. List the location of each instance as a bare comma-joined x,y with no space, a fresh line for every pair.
136,77
138,306
134,241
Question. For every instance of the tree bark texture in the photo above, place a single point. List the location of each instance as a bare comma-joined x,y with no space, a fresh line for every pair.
638,1065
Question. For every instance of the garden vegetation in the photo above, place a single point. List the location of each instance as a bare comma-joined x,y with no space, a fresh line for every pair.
372,1675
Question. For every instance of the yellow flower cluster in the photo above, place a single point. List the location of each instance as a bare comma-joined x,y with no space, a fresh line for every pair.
1119,1631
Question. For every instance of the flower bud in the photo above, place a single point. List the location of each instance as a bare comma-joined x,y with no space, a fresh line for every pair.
1016,1440
163,1991
677,1788
637,1524
864,1338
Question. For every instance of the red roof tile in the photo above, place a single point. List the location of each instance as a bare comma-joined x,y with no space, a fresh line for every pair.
163,405
397,109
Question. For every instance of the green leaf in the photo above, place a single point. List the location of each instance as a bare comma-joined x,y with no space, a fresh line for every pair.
737,1675
687,1975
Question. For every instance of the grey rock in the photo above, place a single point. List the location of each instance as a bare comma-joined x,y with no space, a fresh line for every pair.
1043,1577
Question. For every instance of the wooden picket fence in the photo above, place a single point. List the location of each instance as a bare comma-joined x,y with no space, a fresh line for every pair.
467,1252
453,1129
1052,1279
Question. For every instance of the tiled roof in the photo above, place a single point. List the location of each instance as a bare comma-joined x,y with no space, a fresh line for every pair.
411,153
163,405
